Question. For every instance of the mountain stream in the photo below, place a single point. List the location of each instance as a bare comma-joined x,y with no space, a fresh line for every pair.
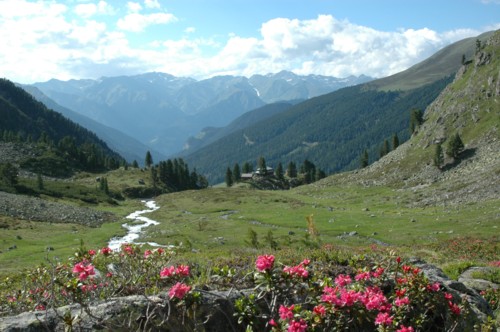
135,228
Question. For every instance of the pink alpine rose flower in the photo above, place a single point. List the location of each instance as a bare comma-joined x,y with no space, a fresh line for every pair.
383,318
182,270
264,263
320,310
106,251
401,301
83,271
147,253
167,272
297,326
178,290
405,329
286,312
343,279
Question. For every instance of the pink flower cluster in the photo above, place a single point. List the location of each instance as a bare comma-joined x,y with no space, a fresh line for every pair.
106,251
287,314
84,270
372,298
149,252
297,326
359,293
179,290
298,270
180,270
264,263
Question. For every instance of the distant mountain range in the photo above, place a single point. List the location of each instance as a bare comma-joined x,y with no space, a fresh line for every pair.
162,111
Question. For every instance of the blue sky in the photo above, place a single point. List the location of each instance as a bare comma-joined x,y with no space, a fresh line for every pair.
202,38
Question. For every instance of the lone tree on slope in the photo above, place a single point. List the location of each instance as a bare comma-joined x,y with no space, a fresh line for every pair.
438,156
148,160
455,146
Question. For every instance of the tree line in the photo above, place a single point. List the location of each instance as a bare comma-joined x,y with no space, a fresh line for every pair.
173,175
87,156
308,172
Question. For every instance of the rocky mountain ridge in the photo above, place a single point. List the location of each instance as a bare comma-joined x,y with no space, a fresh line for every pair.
162,111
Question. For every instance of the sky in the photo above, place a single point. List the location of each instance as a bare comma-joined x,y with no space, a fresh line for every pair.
79,39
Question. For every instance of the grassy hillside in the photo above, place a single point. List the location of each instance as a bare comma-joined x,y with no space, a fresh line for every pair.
445,62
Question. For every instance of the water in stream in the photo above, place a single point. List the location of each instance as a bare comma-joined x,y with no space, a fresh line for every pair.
136,228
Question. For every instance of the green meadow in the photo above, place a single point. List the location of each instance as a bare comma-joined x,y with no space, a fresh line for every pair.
222,221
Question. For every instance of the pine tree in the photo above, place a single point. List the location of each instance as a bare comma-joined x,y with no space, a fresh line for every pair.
416,119
247,167
229,177
279,171
236,173
291,170
135,164
261,164
438,156
363,161
395,141
148,160
384,149
455,146
154,177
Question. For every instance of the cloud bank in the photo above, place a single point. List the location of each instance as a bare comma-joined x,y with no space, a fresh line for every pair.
43,40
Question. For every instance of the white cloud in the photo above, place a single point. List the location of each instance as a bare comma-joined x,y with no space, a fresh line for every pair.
138,22
134,7
152,4
87,10
43,40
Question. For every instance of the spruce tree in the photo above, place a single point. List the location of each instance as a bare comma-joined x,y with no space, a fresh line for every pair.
229,177
416,119
247,167
236,173
438,156
455,146
262,165
363,161
384,149
148,160
291,170
395,141
279,171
